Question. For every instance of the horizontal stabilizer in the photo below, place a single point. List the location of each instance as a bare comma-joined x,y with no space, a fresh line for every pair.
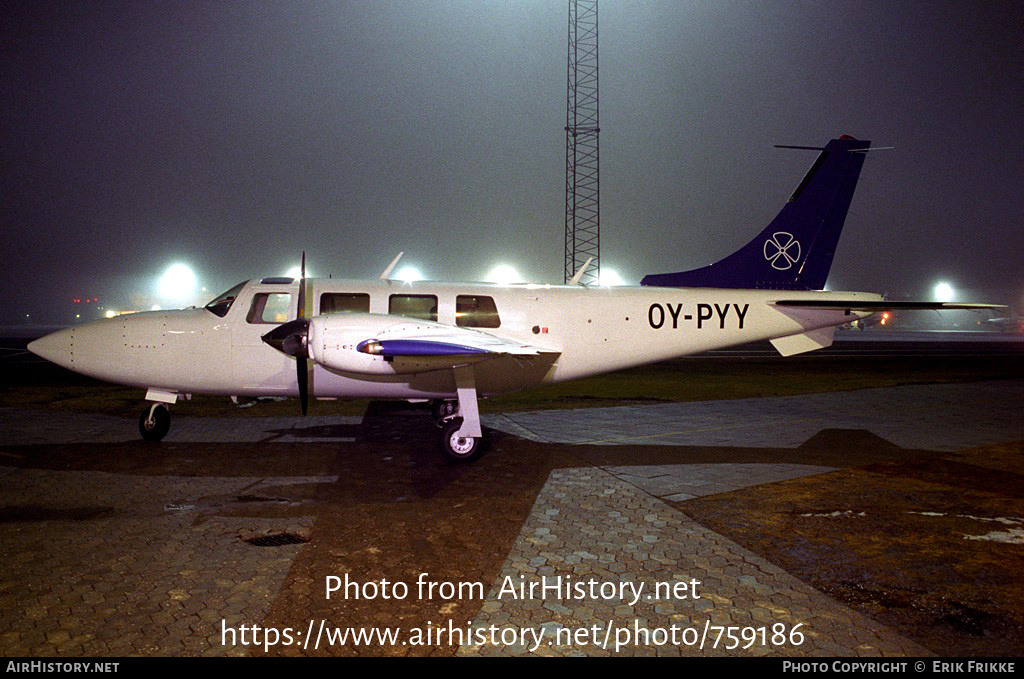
804,342
825,304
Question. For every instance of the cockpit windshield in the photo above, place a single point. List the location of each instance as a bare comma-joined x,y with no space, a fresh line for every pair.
221,304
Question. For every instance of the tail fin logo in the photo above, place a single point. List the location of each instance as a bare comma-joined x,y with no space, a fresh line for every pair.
782,250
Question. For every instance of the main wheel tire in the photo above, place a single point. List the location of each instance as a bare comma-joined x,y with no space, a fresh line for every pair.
459,448
155,428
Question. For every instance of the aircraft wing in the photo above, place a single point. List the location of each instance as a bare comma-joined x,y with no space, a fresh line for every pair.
419,348
878,305
387,344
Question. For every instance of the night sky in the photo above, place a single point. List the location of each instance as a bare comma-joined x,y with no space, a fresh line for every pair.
233,135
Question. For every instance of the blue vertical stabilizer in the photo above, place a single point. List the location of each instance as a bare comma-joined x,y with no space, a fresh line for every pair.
795,251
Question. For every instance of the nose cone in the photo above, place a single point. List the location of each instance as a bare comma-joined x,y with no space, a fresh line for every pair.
57,347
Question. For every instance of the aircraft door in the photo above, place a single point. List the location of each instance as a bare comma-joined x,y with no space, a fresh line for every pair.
260,368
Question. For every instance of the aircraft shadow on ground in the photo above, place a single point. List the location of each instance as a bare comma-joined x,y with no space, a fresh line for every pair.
392,455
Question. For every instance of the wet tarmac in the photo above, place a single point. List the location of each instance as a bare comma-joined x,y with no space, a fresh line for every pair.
115,547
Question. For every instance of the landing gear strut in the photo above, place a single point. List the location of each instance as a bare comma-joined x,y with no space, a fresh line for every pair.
154,422
461,437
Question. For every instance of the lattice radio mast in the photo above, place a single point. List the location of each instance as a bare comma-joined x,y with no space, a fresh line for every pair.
582,197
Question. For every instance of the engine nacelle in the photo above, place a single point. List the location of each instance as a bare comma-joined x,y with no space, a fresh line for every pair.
334,342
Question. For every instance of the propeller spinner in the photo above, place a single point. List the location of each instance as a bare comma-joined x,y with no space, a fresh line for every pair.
291,338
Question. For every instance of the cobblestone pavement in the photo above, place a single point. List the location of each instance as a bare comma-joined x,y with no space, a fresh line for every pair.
678,482
111,564
105,558
589,525
942,417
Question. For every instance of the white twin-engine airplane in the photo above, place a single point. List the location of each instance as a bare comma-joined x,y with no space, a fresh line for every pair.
452,343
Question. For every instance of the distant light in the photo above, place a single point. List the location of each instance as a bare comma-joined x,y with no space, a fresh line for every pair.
296,272
944,292
503,274
409,274
155,307
110,313
610,278
178,283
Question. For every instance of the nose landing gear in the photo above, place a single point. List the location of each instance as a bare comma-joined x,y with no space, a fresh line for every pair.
154,422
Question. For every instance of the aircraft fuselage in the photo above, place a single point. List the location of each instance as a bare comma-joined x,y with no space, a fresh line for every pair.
587,331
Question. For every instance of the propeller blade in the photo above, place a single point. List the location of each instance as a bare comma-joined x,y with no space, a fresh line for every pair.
301,366
302,288
292,338
303,378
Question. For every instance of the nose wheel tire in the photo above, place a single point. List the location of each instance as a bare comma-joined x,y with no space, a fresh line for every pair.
459,448
154,422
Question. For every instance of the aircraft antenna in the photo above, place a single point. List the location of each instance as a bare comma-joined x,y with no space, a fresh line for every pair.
582,197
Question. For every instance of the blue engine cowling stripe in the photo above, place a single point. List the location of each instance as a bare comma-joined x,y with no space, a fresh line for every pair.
407,347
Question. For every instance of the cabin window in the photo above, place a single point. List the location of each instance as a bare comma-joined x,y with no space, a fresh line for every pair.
474,311
423,307
336,302
270,307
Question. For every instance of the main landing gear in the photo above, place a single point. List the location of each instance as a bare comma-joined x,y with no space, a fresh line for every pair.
454,444
458,448
461,438
444,410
